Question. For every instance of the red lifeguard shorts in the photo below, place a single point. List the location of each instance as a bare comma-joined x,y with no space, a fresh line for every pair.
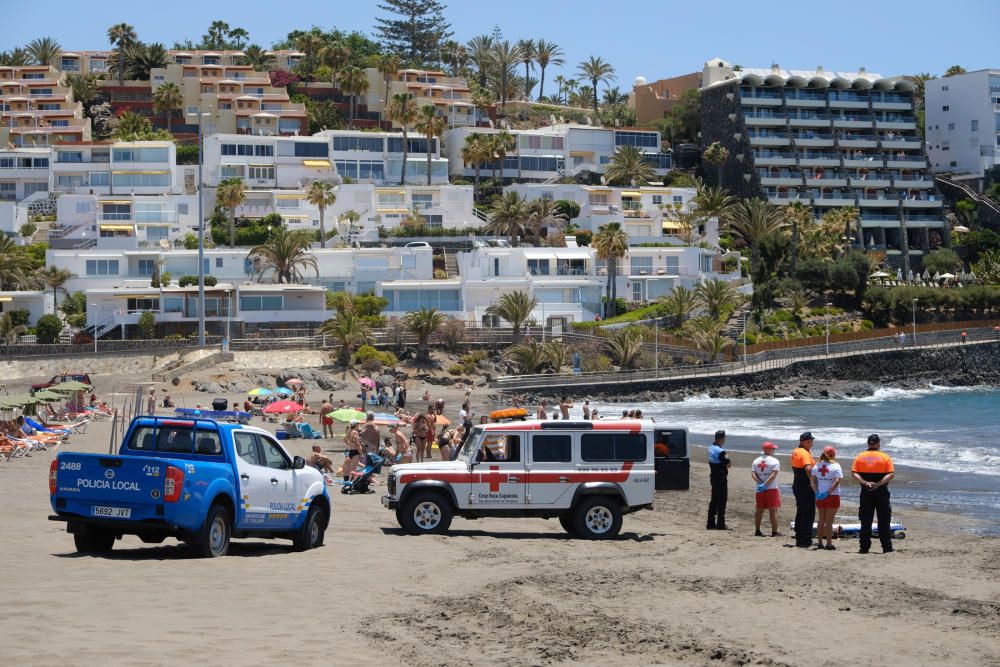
768,498
829,503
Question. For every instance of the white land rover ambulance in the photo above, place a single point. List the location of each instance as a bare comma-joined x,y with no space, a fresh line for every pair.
586,474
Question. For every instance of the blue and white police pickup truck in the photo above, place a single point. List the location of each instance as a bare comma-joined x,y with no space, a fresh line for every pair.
198,480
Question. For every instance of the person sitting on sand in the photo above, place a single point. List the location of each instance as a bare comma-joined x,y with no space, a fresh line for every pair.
426,396
319,460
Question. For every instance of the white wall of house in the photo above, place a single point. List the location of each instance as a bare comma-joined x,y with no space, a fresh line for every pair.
962,120
36,302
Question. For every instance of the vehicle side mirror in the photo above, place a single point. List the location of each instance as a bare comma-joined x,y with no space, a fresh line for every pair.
298,463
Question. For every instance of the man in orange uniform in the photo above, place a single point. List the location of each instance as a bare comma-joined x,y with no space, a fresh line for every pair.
873,470
805,499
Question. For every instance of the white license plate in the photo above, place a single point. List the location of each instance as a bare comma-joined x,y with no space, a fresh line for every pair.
112,512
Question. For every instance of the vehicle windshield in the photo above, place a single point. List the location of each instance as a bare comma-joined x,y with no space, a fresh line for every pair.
471,446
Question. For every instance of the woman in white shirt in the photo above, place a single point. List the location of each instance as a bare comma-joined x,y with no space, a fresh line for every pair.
826,478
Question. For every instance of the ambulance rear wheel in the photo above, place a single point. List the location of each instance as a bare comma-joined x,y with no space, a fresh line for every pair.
598,518
566,521
425,513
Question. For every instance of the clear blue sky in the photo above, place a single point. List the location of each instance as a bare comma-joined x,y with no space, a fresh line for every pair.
654,38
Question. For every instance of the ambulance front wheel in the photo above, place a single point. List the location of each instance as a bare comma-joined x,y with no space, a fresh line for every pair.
425,512
598,518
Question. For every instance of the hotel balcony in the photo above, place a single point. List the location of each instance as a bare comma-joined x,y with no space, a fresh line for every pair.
826,181
858,141
883,202
922,203
783,198
848,102
814,140
915,181
871,182
896,124
901,143
853,122
801,99
764,120
785,178
906,162
864,161
762,98
834,200
771,140
817,121
776,158
874,220
831,160
891,106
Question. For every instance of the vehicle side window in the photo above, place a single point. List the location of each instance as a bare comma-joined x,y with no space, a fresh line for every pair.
246,448
274,457
208,443
675,441
501,447
613,447
175,440
551,448
143,439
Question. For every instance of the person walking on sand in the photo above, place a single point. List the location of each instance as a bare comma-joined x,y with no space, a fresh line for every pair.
420,428
873,470
827,476
370,436
151,403
718,475
805,499
352,452
325,420
764,472
564,405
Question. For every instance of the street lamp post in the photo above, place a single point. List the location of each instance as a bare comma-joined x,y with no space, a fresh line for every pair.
828,329
915,323
201,225
95,327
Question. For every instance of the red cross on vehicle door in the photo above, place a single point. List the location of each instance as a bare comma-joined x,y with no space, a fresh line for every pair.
498,479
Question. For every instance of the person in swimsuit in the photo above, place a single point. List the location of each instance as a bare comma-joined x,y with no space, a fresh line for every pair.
420,430
352,453
319,460
402,444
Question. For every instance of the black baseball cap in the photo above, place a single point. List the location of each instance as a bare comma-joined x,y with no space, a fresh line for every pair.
806,436
874,438
720,434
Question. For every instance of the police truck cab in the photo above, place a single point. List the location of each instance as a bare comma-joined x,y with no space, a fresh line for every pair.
587,474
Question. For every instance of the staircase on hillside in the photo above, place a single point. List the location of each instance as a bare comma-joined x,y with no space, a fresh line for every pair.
734,326
451,264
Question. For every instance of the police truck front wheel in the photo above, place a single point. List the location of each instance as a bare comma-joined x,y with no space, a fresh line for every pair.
598,518
93,541
310,536
213,540
424,513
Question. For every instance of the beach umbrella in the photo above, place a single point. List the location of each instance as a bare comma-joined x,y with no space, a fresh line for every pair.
283,407
937,276
19,400
346,414
927,274
48,396
293,381
899,274
259,391
366,382
879,274
386,419
70,385
944,276
910,276
285,391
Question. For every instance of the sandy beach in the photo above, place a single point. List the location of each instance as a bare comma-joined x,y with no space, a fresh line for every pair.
497,591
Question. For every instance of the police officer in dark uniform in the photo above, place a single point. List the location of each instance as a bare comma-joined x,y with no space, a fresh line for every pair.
718,464
805,498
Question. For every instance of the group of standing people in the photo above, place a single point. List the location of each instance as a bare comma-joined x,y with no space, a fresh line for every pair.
816,487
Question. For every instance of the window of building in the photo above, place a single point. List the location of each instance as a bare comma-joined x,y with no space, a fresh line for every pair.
538,267
705,263
637,290
678,199
116,211
231,171
145,267
434,221
422,201
173,304
946,108
259,303
259,172
100,178
140,154
613,447
182,209
657,200
142,304
951,126
672,265
597,199
84,207
540,142
415,299
974,125
141,179
102,267
642,139
368,144
409,261
218,262
8,191
69,156
642,265
311,149
32,188
551,448
416,145
155,233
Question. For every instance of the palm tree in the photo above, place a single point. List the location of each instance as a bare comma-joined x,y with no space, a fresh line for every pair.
310,43
716,155
354,82
121,35
614,97
752,220
629,167
560,82
387,65
216,37
505,56
239,36
231,193
54,278
43,50
501,143
514,308
167,99
596,71
141,59
455,56
508,216
624,346
797,214
15,267
131,126
16,57
611,244
526,49
84,87
348,330
713,202
402,109
283,256
543,213
432,125
423,324
954,70
480,49
717,297
257,57
555,354
546,53
321,194
8,331
475,151
680,303
336,55
529,357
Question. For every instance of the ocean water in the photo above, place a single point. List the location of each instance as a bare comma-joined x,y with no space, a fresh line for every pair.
945,441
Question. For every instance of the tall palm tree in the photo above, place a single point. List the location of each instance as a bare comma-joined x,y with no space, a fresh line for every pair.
514,308
797,215
44,50
141,59
628,166
526,49
231,193
713,202
257,57
354,82
505,56
120,35
348,330
501,143
611,244
546,53
283,256
455,56
322,195
717,297
680,303
614,97
480,50
336,55
54,278
167,99
716,155
15,267
560,82
475,151
432,125
508,216
216,37
752,220
16,57
311,44
387,65
544,213
402,109
596,71
423,324
239,37
84,87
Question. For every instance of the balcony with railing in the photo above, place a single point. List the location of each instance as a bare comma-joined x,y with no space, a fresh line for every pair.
810,139
900,160
780,177
764,118
833,198
848,120
857,140
805,98
769,138
819,159
891,101
809,119
870,180
895,122
761,96
832,178
877,199
916,180
864,159
846,99
779,158
785,195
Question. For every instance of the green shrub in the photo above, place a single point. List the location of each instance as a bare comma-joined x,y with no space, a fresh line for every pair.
568,208
584,237
19,317
367,352
456,370
473,357
187,154
188,281
596,364
867,325
48,329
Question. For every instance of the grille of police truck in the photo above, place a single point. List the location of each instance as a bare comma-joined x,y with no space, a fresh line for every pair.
390,484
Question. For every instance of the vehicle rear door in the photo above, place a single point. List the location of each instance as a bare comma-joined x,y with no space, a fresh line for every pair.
550,468
498,479
284,500
673,471
255,483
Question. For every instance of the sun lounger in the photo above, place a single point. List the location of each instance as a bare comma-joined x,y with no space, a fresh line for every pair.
308,432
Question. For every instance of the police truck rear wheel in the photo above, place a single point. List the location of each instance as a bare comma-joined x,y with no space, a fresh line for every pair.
598,518
426,513
94,541
215,533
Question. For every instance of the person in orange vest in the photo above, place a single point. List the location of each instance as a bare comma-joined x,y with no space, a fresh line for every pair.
873,470
805,499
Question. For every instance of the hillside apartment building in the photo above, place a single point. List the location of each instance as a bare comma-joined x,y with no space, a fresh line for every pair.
962,120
